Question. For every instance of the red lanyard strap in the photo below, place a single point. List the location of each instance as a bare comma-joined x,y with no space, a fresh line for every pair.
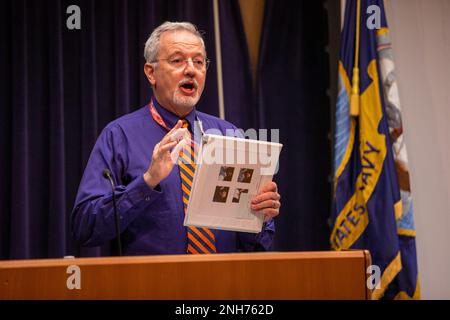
156,116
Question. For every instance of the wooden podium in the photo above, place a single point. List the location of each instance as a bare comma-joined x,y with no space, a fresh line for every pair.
274,275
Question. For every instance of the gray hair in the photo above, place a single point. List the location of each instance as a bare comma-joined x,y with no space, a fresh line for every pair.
152,44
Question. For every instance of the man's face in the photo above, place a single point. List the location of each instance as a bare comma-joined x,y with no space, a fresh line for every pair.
177,88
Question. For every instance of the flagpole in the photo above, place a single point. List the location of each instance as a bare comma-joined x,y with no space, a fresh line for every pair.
354,99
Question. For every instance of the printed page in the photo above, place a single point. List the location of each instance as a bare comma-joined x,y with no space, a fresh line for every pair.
229,173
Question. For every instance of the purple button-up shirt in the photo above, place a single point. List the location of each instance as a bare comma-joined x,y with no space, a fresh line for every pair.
151,220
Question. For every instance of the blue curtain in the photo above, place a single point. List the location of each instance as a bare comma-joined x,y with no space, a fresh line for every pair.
60,87
292,96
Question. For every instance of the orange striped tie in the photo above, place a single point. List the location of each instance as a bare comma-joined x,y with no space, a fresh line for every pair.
200,240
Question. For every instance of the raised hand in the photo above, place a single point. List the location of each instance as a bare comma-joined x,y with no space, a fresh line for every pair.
165,155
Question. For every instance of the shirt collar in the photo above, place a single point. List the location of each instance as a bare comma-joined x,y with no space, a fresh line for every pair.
170,118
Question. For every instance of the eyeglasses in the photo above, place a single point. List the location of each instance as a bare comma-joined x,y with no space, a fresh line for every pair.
200,64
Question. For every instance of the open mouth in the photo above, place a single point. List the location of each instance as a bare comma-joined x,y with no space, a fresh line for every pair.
188,87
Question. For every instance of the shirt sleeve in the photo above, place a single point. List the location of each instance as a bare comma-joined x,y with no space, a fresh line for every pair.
262,241
92,218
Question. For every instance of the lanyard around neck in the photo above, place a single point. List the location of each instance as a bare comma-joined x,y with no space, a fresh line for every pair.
156,116
159,120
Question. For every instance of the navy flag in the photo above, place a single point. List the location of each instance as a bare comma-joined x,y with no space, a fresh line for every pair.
372,206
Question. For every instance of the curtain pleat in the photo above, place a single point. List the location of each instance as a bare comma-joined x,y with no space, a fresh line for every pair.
19,244
5,128
292,85
56,222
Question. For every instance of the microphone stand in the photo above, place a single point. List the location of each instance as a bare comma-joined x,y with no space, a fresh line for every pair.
107,175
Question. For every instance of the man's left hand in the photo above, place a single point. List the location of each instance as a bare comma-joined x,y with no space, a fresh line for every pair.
267,201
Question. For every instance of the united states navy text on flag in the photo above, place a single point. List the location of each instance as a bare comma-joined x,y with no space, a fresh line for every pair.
372,207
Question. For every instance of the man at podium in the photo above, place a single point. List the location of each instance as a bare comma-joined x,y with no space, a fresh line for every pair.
138,151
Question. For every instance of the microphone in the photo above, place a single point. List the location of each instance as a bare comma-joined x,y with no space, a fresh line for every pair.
107,175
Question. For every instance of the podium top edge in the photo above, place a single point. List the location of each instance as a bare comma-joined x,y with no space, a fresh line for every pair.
184,258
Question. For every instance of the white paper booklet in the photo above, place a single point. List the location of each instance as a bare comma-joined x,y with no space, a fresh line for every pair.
230,171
